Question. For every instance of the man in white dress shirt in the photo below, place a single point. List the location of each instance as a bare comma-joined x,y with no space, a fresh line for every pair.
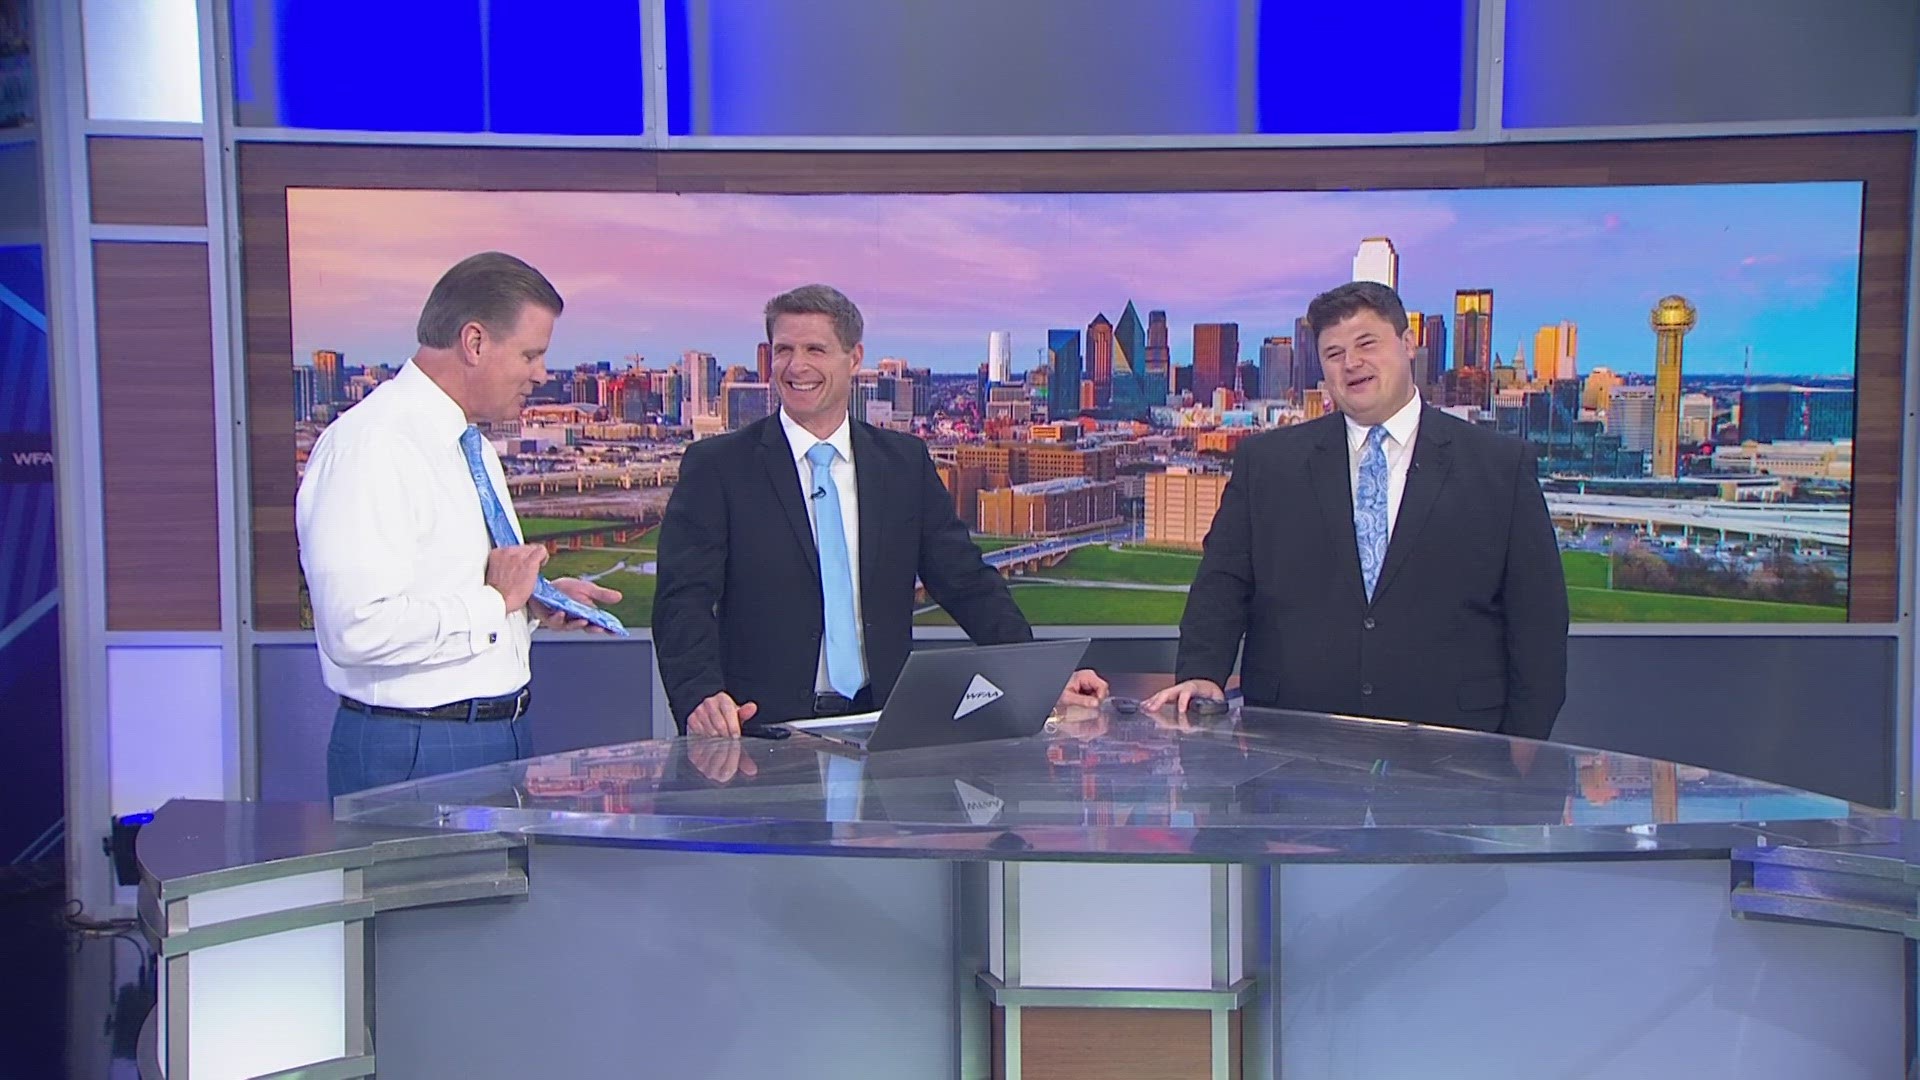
423,622
1389,560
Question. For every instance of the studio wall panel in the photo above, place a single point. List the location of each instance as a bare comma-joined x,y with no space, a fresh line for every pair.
142,59
147,181
159,492
1575,63
166,725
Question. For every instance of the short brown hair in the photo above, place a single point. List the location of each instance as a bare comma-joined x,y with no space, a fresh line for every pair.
1343,302
489,288
826,300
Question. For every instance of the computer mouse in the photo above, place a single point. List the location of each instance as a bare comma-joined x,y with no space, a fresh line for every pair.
1125,706
1207,705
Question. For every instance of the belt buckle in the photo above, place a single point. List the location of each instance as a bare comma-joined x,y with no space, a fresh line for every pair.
520,702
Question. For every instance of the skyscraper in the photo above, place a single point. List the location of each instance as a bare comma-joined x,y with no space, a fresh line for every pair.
1063,374
1216,353
1276,367
700,375
1159,355
1099,359
763,362
329,377
1554,352
1000,356
1306,357
1377,261
1433,340
1630,416
304,381
1473,328
1671,319
1129,394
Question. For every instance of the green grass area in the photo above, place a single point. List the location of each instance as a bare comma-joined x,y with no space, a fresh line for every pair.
588,561
534,528
1128,564
635,608
996,543
1069,605
1619,605
1584,569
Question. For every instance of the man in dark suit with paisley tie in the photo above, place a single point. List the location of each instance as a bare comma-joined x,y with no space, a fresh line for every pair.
1389,560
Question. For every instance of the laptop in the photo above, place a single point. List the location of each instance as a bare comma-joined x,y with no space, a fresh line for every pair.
945,697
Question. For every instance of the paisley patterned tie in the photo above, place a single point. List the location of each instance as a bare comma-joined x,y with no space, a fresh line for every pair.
1370,508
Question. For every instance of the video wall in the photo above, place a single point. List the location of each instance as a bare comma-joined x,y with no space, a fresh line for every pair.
1083,366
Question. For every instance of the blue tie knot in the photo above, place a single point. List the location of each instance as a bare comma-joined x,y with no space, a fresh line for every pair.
822,454
1376,435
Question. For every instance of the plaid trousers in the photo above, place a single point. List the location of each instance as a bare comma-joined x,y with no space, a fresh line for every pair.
374,751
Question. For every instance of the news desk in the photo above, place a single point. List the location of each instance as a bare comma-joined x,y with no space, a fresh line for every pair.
1263,894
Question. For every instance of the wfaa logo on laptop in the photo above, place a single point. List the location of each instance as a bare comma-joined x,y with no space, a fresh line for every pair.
980,694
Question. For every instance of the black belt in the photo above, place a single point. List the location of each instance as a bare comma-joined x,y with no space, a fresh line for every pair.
511,707
831,704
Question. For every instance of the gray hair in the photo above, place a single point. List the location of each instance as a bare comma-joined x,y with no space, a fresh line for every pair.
820,300
490,288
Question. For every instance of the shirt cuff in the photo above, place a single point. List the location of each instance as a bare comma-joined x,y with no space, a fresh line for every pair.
486,613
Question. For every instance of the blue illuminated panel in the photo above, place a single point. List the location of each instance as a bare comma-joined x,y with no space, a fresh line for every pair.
572,68
372,65
1383,67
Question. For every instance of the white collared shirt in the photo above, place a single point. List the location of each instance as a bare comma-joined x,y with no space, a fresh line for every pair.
1401,428
394,546
801,440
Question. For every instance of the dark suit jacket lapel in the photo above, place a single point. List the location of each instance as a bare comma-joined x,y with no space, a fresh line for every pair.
870,483
1426,475
1333,490
776,456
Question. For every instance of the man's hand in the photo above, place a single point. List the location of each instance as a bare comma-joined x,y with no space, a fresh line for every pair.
585,592
1085,688
513,572
1180,694
720,760
719,717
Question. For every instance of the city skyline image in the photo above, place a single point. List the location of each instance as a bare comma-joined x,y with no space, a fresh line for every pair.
1083,368
1773,268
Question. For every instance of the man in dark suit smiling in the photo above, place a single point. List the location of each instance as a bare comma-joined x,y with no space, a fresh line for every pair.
1389,560
790,548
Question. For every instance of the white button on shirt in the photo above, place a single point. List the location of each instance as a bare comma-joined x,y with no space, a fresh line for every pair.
1401,427
394,546
800,440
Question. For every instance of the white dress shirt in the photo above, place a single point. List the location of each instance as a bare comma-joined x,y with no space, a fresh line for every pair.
394,546
801,440
1401,429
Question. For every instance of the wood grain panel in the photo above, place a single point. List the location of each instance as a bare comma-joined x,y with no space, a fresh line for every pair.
137,181
1115,1044
1883,162
159,492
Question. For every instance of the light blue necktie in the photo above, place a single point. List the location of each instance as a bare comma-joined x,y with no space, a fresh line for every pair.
836,576
1370,508
500,527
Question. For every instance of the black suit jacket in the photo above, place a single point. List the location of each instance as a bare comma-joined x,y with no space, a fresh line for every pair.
1468,623
737,604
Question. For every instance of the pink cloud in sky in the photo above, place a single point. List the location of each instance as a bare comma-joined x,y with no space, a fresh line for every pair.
688,268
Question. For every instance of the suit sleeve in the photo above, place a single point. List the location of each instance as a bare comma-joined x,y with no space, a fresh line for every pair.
689,586
955,575
1216,616
1534,592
